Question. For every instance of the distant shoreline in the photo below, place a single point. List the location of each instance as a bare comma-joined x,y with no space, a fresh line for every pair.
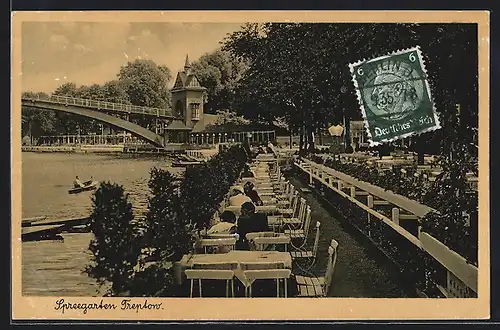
103,150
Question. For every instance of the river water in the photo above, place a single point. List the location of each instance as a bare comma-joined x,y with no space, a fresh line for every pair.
54,268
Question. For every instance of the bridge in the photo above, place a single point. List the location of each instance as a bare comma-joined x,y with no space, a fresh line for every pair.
98,110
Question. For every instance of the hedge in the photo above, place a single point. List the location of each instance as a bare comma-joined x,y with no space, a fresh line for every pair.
136,258
455,224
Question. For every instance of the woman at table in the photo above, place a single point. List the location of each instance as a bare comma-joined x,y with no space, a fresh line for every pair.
252,193
250,222
238,196
227,224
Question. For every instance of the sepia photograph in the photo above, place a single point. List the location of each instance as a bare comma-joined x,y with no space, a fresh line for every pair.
160,162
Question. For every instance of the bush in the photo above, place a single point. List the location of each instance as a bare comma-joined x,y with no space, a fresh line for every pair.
140,262
115,245
456,223
205,186
169,233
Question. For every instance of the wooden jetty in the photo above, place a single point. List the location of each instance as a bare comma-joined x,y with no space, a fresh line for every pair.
42,228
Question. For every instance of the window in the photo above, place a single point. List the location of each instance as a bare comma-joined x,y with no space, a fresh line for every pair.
179,109
195,111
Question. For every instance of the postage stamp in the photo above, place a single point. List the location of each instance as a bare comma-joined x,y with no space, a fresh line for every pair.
394,96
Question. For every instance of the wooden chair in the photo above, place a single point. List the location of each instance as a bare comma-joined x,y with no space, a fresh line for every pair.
251,236
261,243
259,265
304,230
283,189
285,212
210,274
222,235
290,209
209,243
309,253
266,274
297,218
319,286
285,199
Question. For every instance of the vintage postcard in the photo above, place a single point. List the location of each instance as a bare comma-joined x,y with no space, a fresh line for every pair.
250,165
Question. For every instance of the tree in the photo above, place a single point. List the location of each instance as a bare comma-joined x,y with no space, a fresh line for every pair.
36,122
170,234
146,84
115,91
68,123
300,71
219,72
115,246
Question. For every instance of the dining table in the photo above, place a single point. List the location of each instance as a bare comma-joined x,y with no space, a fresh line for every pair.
238,258
267,209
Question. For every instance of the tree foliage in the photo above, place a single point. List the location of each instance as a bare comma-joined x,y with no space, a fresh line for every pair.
146,83
141,82
220,73
169,233
137,259
300,71
115,245
35,122
204,186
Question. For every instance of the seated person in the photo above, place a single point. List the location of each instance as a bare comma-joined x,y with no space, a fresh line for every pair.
250,222
252,193
238,196
247,172
227,224
77,182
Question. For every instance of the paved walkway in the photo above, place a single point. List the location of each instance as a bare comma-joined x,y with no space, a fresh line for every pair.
359,271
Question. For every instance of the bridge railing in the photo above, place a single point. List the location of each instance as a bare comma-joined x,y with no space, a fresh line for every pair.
101,105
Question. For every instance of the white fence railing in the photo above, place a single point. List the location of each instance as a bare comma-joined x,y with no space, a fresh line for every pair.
462,277
99,105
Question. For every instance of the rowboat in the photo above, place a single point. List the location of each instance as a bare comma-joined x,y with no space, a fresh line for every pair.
185,160
88,185
180,163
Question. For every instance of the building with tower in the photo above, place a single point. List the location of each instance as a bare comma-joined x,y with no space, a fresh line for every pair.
195,126
187,104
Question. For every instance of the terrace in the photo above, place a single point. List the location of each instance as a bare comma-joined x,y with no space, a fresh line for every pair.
304,253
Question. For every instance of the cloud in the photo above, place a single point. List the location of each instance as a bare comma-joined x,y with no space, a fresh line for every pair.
53,50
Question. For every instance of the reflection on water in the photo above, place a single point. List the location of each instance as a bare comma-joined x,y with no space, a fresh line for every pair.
54,268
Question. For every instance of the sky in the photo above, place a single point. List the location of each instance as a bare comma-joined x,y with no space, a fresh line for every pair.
86,52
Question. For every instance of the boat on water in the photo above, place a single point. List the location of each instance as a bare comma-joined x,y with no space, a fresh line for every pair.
185,160
87,186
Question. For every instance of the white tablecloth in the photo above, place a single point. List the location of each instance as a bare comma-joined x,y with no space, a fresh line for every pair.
238,257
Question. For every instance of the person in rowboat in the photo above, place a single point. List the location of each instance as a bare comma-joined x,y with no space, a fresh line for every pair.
78,183
86,183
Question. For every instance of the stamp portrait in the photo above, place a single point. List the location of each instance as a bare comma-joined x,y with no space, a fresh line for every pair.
394,96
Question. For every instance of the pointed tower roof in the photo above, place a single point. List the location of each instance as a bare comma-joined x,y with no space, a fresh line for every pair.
186,79
187,65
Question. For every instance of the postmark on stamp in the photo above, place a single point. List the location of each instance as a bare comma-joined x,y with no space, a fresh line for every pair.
394,96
